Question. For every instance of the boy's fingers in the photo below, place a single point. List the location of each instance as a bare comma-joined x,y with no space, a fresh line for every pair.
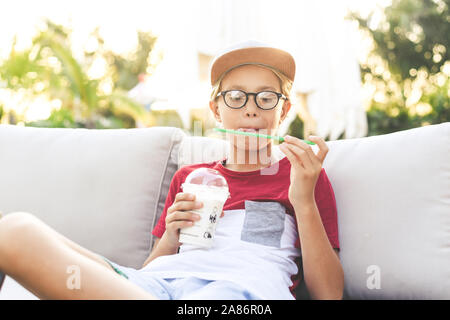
182,215
184,205
295,162
184,196
323,147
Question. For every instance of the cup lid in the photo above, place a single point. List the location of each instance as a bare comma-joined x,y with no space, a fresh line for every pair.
207,177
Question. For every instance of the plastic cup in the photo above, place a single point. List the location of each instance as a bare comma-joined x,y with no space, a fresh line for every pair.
210,188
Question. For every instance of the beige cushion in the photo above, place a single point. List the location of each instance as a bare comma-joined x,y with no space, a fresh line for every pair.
101,188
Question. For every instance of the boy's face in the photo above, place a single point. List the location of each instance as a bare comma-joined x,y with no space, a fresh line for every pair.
250,78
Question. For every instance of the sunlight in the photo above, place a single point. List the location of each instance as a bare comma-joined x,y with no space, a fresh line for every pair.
98,68
102,56
119,23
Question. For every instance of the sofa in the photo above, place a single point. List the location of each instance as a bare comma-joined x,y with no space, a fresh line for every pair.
106,189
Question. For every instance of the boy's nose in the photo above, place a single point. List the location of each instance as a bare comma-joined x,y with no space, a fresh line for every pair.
251,109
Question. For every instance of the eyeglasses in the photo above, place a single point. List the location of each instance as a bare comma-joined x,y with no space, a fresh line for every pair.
265,100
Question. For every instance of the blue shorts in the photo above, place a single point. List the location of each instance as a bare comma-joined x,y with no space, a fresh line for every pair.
189,288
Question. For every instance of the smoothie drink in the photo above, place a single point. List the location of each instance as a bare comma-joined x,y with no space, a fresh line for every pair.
210,188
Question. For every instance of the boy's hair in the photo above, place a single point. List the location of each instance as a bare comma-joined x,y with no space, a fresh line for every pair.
285,82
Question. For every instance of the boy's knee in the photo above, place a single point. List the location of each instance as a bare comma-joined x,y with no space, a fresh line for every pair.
14,228
15,219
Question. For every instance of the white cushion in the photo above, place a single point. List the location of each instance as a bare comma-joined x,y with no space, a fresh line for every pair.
393,201
12,290
103,189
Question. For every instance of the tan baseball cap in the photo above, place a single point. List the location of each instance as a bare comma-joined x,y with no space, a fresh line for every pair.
251,52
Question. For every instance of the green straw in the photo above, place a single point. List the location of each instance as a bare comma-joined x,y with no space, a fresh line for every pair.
280,139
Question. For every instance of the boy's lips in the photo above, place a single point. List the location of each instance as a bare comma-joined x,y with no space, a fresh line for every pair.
248,129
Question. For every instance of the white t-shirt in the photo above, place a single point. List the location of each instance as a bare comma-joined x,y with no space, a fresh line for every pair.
253,247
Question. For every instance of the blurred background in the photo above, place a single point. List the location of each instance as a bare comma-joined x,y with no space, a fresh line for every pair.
364,67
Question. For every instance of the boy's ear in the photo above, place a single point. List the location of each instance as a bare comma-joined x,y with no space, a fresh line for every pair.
215,110
285,110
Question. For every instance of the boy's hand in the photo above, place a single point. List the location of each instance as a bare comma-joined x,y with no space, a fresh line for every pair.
179,216
305,168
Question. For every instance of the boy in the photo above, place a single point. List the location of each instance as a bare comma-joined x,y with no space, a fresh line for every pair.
279,204
272,197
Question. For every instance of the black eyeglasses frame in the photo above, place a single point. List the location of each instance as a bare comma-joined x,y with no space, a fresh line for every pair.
279,95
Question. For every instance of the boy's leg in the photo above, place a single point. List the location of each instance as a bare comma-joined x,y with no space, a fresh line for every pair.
36,256
70,243
81,250
89,254
192,288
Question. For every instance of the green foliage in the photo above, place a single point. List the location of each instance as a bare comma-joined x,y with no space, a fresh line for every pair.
414,34
126,70
411,44
20,69
49,67
439,99
381,121
167,118
62,118
296,128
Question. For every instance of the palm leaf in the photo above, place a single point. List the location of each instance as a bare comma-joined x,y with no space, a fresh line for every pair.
71,68
121,103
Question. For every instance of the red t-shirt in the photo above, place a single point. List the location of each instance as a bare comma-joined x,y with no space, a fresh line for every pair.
269,184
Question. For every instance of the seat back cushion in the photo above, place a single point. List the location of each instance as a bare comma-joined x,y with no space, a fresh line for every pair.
103,189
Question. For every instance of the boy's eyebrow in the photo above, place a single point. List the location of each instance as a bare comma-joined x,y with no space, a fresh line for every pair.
237,87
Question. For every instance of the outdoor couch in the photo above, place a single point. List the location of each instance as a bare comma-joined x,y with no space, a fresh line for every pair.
106,189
